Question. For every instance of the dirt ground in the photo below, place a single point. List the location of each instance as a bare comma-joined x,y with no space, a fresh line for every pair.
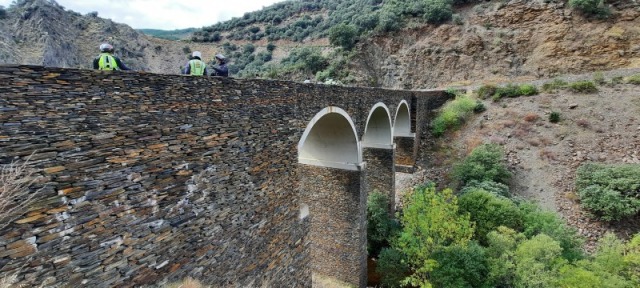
603,127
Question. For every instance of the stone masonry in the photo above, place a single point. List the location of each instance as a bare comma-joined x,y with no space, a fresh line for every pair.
147,178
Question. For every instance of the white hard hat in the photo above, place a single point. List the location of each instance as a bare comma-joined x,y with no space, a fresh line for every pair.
196,54
106,47
220,56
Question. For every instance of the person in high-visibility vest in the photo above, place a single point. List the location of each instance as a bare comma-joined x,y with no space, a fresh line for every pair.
106,60
195,66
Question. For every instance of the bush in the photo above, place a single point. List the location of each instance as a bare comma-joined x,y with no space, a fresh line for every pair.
3,12
555,84
591,7
609,191
635,79
460,266
485,163
608,204
271,47
537,221
486,91
453,115
489,212
392,267
500,252
380,226
554,117
583,87
527,90
430,222
479,108
494,188
537,262
343,35
598,78
438,11
186,50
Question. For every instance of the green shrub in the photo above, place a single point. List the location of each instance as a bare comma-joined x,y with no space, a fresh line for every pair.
489,212
343,35
494,188
610,192
430,222
500,252
380,226
608,204
453,115
554,117
537,261
486,91
393,267
479,108
511,90
460,266
537,221
555,84
186,50
438,11
591,7
598,78
527,90
583,87
635,79
619,79
271,47
485,163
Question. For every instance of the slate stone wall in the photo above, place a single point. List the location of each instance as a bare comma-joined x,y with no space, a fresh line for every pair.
381,173
148,177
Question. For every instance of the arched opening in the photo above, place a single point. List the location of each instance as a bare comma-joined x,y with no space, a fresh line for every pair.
330,140
332,200
402,123
378,131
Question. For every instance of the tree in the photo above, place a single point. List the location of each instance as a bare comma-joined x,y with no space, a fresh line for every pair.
430,222
343,35
380,227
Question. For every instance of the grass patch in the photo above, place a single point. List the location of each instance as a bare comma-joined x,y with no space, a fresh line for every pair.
554,117
598,78
553,85
583,87
453,115
635,79
510,90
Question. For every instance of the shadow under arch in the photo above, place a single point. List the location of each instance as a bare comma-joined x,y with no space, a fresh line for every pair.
402,121
403,138
379,155
330,140
378,132
332,202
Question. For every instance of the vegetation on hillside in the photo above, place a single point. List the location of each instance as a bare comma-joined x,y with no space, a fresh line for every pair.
610,192
178,34
486,239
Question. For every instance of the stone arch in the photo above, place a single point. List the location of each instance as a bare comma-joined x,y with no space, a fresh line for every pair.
402,122
378,132
330,140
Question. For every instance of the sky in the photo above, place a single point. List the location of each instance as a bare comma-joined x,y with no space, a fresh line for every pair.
164,14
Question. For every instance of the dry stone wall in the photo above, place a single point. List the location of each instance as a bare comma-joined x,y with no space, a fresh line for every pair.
147,178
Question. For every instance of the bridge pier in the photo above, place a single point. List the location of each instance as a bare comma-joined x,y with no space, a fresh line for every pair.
337,211
381,171
405,153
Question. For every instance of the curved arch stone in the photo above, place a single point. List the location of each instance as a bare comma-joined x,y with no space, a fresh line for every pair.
330,140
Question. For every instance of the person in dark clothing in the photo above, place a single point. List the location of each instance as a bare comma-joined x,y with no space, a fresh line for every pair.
106,60
195,66
222,69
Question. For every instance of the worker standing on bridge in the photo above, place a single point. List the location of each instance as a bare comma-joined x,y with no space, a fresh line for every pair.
106,60
222,69
195,66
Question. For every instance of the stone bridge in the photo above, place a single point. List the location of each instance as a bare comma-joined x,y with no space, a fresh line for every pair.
146,178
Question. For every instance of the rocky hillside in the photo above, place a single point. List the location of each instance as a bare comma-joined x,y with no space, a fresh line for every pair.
501,41
41,32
